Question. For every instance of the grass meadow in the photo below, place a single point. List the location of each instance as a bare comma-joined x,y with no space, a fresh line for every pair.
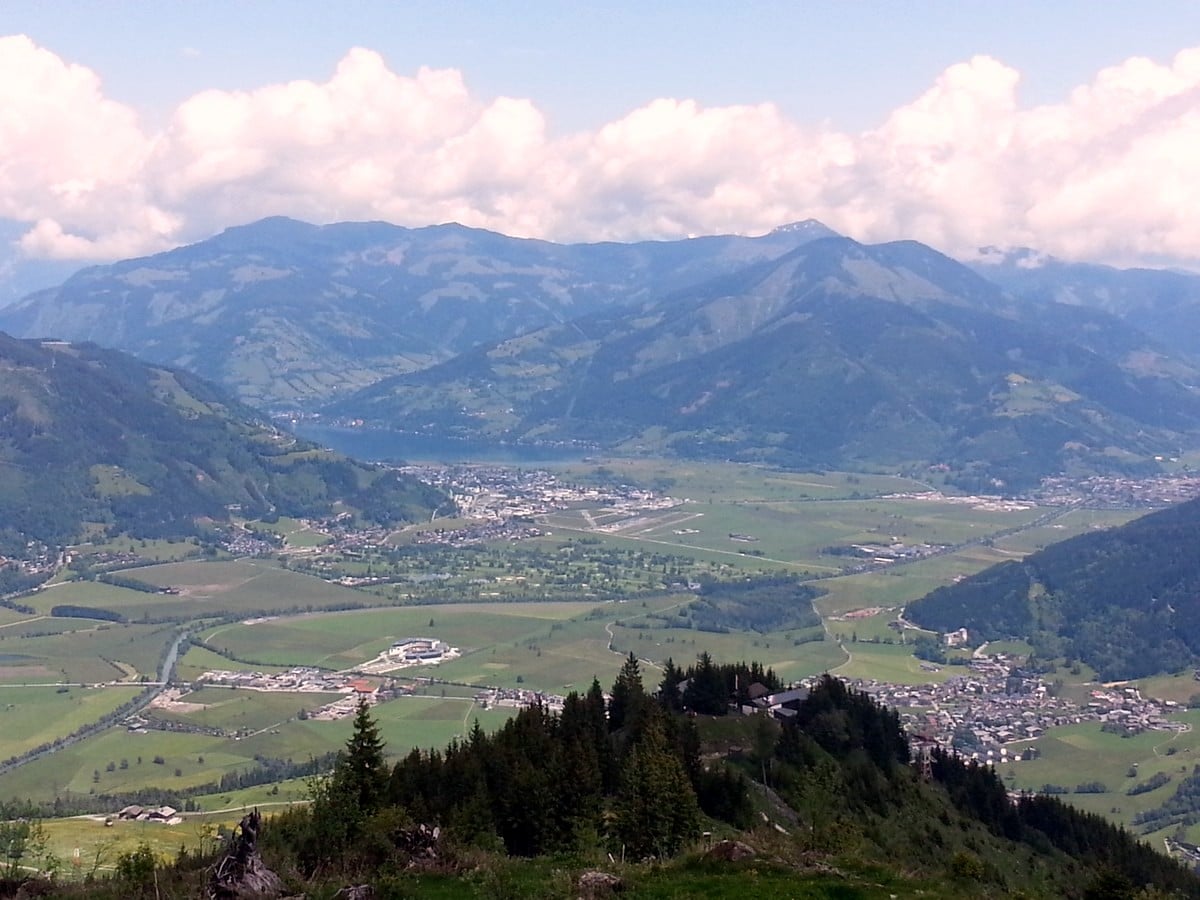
32,716
1075,753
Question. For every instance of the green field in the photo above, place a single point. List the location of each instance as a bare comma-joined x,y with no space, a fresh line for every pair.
345,639
232,709
1076,753
1076,521
888,662
31,716
205,588
118,761
701,480
295,532
52,650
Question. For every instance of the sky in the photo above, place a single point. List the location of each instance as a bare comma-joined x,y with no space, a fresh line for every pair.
1070,127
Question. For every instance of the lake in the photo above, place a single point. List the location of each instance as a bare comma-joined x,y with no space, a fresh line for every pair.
379,445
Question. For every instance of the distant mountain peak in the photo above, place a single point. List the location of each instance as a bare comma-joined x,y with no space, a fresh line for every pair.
807,228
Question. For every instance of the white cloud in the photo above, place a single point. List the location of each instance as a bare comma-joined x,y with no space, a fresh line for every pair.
1110,173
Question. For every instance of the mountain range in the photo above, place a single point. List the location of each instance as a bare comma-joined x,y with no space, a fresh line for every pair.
287,313
799,347
836,354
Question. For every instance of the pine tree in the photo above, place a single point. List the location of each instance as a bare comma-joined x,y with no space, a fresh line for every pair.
707,693
669,693
628,695
656,811
361,776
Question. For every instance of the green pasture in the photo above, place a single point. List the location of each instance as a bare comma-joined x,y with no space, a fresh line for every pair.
119,761
432,722
100,845
699,480
147,548
287,792
1180,688
871,627
897,585
95,594
1076,753
1012,648
295,532
208,588
344,639
238,709
32,716
888,662
791,536
10,617
730,555
1072,523
196,660
83,651
73,770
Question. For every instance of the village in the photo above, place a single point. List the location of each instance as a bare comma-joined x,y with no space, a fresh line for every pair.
997,710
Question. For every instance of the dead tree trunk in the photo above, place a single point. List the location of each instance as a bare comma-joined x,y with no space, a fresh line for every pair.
240,873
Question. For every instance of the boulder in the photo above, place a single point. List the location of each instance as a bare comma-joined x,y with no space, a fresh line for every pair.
596,884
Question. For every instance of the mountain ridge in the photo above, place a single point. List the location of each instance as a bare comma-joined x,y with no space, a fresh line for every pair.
288,313
835,354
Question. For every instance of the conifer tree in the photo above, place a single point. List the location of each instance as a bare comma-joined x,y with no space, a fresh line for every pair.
628,695
360,776
707,693
656,811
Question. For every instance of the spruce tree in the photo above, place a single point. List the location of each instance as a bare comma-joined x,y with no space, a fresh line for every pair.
656,811
628,695
360,776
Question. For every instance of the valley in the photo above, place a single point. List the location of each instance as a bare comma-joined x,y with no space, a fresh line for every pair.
556,574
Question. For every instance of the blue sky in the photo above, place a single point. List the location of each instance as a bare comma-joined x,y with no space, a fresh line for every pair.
136,126
588,63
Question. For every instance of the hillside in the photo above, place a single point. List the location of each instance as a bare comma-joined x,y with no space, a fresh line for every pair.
836,354
93,437
1124,601
286,313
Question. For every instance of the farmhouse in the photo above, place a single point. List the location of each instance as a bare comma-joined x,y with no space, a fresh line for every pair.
167,815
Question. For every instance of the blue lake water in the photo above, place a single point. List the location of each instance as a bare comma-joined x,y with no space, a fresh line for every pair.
377,445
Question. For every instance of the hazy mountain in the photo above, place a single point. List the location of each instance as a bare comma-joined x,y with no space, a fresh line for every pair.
94,436
287,313
1165,304
836,354
1122,600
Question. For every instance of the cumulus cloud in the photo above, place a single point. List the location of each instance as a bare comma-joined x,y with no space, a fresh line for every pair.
1109,173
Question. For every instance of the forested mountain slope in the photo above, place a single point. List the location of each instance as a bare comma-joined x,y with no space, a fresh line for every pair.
93,436
1126,601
